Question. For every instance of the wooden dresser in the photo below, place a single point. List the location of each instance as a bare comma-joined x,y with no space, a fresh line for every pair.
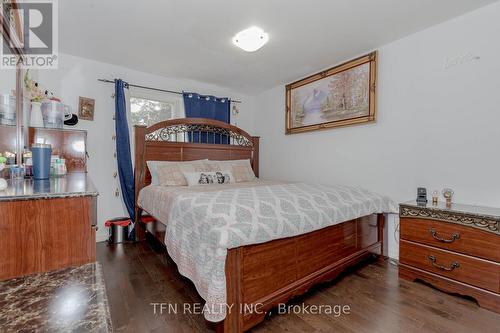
47,225
456,249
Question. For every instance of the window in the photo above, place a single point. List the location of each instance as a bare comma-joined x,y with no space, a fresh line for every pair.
145,111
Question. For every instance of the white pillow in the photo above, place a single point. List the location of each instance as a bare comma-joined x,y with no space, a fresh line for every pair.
241,169
154,165
208,177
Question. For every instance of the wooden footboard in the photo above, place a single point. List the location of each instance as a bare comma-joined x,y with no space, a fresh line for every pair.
262,276
259,277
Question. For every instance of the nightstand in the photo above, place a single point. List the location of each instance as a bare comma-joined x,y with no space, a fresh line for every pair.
455,249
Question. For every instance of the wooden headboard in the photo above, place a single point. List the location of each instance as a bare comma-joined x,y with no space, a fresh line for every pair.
172,140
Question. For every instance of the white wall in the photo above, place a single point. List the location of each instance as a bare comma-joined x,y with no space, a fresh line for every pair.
436,126
78,77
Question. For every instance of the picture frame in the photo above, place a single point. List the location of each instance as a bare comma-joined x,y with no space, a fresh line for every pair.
340,96
86,108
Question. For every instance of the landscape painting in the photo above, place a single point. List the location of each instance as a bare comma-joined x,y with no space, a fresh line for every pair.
343,95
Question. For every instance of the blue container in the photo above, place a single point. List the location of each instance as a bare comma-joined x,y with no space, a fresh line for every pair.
41,153
41,185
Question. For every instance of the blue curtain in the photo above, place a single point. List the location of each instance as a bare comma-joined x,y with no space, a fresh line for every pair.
124,159
211,107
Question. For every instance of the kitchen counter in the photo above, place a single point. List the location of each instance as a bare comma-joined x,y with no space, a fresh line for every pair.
71,185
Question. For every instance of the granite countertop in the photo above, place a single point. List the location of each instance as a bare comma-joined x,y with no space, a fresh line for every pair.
71,185
479,211
67,300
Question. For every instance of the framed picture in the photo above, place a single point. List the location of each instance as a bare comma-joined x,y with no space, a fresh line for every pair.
339,96
86,108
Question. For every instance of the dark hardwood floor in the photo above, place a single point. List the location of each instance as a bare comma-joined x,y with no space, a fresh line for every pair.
137,275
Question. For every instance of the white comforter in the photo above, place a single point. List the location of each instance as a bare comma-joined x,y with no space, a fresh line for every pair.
203,222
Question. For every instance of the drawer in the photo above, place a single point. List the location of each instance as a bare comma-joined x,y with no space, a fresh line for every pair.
474,271
453,237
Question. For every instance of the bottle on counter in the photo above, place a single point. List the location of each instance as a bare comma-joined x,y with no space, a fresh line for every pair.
28,164
64,169
28,168
53,162
59,167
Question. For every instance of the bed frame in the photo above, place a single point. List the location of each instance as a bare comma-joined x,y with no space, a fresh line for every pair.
262,276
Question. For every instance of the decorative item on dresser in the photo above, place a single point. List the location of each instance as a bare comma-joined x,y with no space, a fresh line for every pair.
455,248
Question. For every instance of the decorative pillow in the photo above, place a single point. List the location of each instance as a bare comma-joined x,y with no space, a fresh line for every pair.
153,170
209,177
171,173
241,169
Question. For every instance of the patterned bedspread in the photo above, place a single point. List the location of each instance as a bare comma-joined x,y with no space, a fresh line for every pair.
203,222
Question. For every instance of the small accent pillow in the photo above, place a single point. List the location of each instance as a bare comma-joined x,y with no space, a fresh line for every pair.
172,173
208,177
241,169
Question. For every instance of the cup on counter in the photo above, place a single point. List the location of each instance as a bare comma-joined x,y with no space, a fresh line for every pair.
41,185
41,160
16,172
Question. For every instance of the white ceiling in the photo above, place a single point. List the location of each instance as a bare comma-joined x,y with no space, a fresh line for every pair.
192,39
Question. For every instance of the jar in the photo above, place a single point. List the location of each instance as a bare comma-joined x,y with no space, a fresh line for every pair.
16,172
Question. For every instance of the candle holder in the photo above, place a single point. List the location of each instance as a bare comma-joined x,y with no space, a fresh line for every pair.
435,198
448,195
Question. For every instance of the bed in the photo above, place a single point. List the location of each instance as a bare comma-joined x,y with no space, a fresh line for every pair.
250,275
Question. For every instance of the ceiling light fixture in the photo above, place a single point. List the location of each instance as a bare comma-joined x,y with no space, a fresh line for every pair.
251,39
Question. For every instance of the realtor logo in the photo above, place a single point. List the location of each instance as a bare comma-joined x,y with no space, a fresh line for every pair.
33,27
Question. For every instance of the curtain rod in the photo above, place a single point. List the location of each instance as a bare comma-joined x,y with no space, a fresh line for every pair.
155,89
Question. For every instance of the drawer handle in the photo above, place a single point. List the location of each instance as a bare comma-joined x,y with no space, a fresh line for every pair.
443,268
454,236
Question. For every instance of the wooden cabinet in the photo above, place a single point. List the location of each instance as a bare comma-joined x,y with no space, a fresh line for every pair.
455,248
48,229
